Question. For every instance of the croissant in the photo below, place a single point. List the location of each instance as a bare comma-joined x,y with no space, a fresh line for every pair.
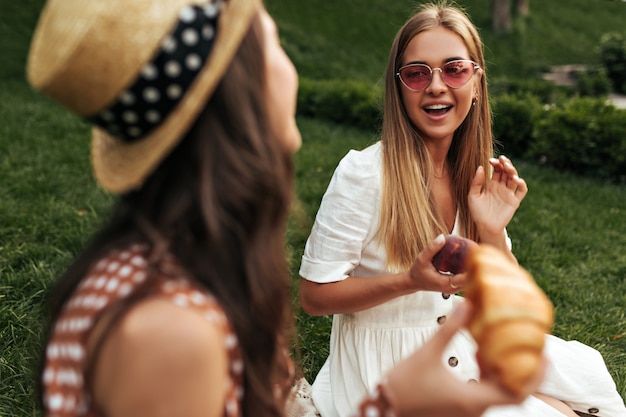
510,318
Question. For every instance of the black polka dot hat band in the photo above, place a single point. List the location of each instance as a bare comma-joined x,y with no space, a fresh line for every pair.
139,70
164,80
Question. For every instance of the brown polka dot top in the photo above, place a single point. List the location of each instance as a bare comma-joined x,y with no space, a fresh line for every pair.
113,278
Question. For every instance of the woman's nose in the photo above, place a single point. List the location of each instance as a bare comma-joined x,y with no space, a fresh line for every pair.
436,84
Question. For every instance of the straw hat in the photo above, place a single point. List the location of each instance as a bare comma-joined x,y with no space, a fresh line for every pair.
139,70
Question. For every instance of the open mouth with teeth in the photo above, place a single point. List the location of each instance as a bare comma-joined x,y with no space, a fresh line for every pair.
437,109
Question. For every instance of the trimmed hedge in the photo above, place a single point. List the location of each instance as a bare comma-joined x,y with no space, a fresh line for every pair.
351,102
514,119
546,91
583,135
586,136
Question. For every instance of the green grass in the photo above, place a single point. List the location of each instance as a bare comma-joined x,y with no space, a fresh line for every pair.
569,231
48,207
351,39
570,234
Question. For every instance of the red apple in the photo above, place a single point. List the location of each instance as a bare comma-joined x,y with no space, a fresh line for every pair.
452,258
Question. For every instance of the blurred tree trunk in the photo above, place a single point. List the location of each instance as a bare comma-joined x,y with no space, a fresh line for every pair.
522,7
501,16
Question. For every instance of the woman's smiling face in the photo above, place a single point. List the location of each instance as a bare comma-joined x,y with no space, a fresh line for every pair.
438,110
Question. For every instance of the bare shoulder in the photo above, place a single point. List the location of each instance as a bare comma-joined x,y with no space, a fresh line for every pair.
162,359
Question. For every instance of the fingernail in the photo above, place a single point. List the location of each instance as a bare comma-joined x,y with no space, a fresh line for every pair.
440,239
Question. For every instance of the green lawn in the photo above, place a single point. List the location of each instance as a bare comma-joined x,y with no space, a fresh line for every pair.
569,232
351,39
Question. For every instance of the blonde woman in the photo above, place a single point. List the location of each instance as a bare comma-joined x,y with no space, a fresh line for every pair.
368,260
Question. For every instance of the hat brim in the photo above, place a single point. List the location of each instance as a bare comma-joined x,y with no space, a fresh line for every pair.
121,166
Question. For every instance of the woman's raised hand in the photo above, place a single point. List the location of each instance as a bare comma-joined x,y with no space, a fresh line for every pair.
493,207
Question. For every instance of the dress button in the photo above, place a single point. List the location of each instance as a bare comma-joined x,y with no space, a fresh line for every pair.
452,361
445,296
593,410
441,319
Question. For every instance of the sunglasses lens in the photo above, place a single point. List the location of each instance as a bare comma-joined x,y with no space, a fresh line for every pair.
416,77
457,73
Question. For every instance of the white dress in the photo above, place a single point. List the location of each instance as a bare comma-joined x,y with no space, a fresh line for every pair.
366,344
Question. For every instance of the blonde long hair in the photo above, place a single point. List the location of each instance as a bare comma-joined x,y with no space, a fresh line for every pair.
408,220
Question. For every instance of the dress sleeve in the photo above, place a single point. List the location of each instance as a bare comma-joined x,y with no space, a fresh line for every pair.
346,220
